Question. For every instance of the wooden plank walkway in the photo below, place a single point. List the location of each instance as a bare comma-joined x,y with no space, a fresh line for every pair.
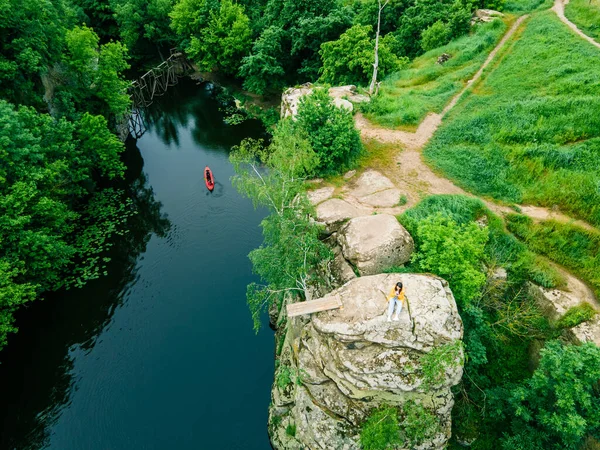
313,306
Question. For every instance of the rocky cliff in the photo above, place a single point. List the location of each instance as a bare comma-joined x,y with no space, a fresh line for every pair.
335,367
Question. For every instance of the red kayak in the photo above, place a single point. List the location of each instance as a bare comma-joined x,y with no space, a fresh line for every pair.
209,179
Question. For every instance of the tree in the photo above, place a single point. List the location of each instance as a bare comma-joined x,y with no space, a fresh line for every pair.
330,131
263,69
560,405
376,63
218,38
454,252
349,60
435,36
291,253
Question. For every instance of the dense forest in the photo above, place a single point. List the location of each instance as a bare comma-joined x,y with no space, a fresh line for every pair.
64,69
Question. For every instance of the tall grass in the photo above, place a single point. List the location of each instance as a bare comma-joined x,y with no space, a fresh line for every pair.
573,247
531,131
502,249
406,97
525,6
586,15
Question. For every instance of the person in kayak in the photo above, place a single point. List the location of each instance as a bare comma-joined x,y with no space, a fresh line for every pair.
395,299
207,176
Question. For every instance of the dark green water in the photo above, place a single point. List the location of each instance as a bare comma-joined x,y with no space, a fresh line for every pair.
161,353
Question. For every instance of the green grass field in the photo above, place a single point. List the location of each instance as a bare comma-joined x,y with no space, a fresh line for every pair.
525,6
586,15
573,247
406,97
530,132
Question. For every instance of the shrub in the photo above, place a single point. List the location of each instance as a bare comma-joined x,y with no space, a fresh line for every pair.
290,430
435,36
381,430
418,425
349,60
576,315
454,252
330,131
560,405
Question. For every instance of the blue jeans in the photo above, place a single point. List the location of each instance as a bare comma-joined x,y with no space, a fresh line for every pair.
394,302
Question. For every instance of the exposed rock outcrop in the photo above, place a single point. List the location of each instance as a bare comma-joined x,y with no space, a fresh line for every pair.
342,97
333,213
374,189
556,302
338,366
375,243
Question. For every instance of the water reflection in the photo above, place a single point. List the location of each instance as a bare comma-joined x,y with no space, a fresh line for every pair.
36,374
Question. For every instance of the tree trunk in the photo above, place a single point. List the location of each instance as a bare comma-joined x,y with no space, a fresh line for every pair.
376,63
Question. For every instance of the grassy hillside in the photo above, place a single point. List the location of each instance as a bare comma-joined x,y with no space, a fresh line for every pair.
586,15
406,97
531,132
525,6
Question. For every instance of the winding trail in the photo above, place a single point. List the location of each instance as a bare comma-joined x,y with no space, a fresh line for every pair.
559,9
417,179
412,176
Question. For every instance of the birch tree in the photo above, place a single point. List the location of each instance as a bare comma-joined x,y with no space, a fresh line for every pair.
376,62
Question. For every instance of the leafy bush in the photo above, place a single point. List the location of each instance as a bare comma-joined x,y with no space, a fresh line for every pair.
576,315
453,252
418,425
435,36
560,405
349,60
290,430
330,131
436,363
381,430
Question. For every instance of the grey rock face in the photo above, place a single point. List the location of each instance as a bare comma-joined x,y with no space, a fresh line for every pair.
375,243
345,363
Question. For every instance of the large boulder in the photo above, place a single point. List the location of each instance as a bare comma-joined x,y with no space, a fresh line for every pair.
375,243
346,363
556,302
333,213
342,97
374,189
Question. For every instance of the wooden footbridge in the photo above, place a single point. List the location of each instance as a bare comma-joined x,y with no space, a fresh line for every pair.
154,83
313,306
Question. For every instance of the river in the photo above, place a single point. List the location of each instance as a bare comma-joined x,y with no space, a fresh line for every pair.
159,354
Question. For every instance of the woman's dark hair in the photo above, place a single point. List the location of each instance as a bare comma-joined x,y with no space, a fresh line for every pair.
399,285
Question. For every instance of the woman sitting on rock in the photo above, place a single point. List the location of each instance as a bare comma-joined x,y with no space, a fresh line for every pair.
396,298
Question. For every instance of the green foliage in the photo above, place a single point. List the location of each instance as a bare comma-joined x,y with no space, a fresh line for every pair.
435,36
330,131
381,430
291,34
576,248
438,361
405,98
525,6
286,376
46,175
263,69
97,73
560,405
403,200
291,250
531,132
290,430
453,252
218,38
349,60
576,315
586,15
418,424
422,14
143,23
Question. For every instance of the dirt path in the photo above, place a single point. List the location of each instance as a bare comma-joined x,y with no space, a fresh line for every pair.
559,9
416,178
